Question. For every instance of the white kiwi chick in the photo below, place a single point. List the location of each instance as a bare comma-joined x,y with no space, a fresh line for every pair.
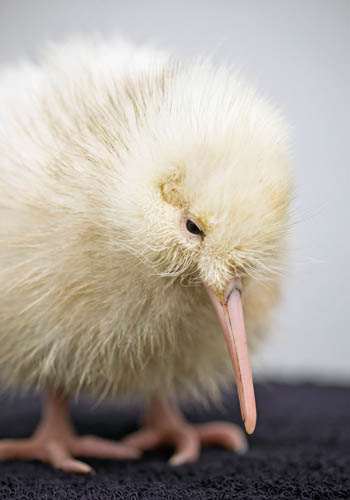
144,211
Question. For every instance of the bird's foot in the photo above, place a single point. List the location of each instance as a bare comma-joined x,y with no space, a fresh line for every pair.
60,451
55,442
165,425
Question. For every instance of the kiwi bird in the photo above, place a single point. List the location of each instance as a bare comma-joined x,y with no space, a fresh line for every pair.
144,214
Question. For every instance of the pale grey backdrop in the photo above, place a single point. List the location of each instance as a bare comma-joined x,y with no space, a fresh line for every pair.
298,52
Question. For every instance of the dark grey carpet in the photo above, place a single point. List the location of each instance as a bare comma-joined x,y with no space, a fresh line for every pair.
300,450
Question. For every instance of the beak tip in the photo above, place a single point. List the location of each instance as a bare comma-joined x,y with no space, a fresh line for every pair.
250,426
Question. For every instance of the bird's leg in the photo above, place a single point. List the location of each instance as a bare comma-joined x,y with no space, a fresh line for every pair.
165,425
56,442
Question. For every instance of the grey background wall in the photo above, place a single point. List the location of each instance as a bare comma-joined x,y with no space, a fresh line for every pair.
297,51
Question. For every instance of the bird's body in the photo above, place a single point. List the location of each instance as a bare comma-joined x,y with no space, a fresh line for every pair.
104,148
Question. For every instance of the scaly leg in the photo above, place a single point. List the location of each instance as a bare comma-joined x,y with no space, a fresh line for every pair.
165,425
55,441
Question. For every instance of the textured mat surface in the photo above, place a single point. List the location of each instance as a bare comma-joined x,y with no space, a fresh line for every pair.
300,450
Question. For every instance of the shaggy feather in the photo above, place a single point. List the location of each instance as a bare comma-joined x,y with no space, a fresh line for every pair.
105,148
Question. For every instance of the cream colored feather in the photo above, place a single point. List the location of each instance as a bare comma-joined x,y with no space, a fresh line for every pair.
104,149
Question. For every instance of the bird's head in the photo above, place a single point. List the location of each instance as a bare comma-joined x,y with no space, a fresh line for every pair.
209,187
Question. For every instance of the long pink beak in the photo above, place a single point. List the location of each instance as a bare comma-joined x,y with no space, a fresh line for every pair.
230,314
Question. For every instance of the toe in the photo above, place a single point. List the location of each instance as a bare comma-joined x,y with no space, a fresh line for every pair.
187,446
60,458
144,439
73,465
183,438
19,449
93,446
223,434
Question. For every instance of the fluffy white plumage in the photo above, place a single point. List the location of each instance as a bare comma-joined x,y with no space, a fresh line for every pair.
104,149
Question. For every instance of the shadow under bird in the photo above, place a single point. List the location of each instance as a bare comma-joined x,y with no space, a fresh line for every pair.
144,207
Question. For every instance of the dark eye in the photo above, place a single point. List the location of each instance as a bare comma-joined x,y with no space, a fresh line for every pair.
193,228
